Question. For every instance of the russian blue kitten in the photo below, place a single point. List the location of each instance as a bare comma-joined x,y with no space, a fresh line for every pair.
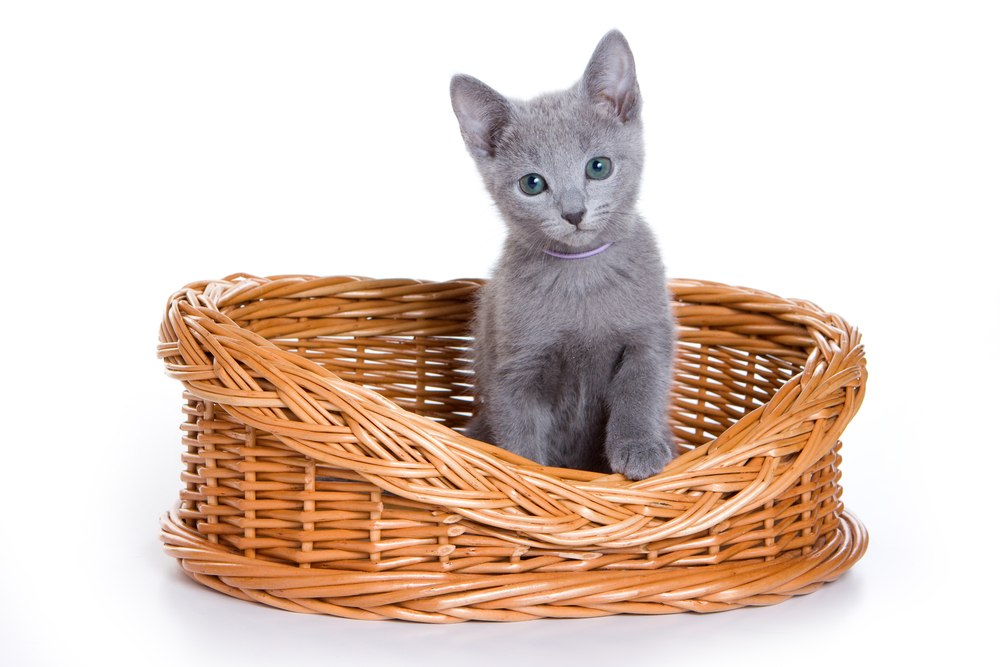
574,335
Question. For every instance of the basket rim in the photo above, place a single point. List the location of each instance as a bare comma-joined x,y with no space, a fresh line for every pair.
216,360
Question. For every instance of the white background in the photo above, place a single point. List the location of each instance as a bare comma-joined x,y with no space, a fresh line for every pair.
844,152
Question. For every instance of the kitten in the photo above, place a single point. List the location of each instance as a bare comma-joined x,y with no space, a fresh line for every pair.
573,336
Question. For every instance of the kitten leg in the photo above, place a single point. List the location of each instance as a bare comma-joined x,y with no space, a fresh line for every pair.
478,428
638,442
518,414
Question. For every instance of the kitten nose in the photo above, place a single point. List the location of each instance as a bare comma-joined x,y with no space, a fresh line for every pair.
574,218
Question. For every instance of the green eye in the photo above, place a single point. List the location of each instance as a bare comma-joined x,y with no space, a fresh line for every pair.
599,168
532,184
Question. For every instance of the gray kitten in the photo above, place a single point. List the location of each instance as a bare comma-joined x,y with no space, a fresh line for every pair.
574,335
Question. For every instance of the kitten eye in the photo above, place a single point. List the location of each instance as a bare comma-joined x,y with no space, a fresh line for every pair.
532,184
599,168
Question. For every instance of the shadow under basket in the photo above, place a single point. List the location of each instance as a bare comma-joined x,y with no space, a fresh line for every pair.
323,472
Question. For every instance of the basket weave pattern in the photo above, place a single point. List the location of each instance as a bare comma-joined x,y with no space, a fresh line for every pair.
323,473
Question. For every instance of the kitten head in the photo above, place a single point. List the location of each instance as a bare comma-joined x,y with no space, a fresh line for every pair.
563,168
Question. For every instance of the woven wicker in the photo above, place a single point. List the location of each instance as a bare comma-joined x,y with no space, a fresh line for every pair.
322,472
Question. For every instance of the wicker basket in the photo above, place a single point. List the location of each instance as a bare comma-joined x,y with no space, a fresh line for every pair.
323,475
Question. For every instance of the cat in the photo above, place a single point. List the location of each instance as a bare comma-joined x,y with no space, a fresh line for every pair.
573,336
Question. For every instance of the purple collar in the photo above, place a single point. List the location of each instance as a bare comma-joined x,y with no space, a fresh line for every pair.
581,255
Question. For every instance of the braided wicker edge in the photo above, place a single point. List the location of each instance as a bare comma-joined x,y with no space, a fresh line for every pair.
432,597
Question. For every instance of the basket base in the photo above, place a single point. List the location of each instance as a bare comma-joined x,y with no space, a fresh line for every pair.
449,597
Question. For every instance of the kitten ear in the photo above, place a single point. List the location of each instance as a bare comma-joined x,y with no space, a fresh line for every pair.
481,113
609,80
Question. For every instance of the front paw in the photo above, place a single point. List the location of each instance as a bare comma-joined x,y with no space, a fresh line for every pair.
639,459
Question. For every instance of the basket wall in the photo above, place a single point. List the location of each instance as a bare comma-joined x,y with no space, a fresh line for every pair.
323,474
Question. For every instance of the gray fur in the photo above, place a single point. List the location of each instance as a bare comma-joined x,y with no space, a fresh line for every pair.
572,357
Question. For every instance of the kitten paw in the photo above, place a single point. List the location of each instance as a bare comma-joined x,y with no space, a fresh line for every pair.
639,459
